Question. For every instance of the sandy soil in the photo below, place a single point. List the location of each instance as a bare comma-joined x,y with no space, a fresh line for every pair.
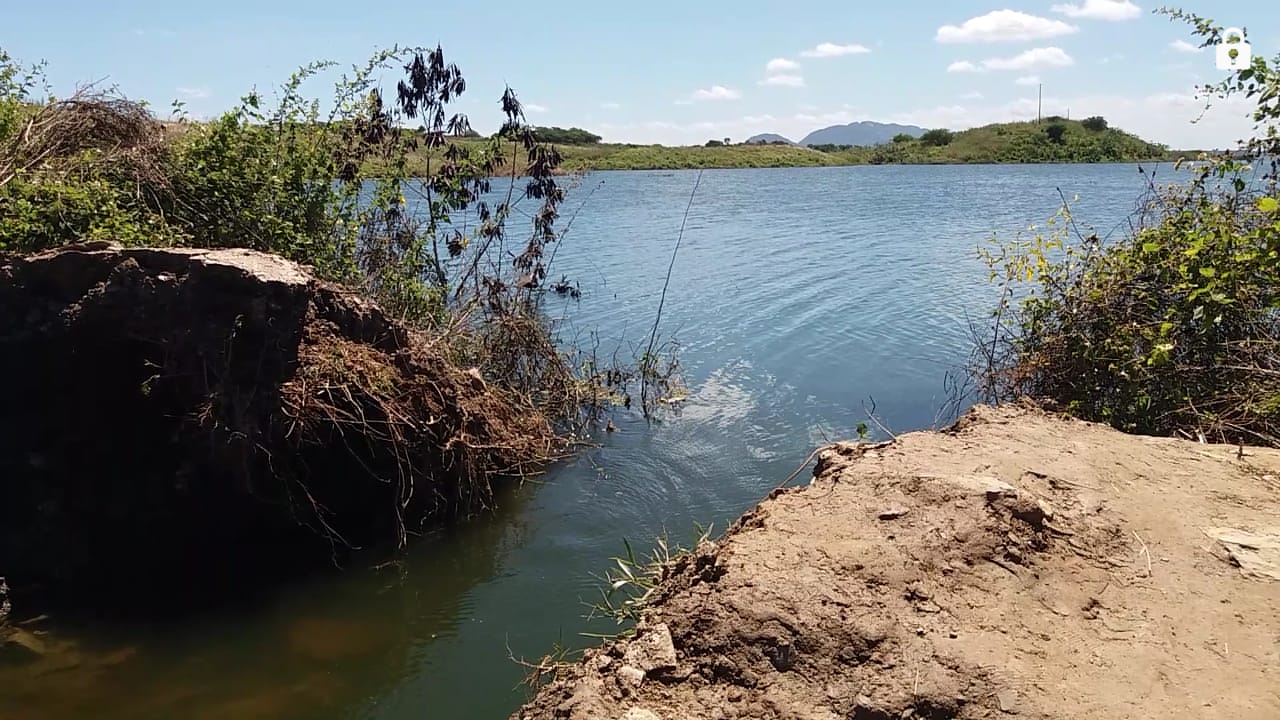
1018,565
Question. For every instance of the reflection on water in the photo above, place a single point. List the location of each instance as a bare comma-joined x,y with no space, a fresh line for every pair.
798,296
332,647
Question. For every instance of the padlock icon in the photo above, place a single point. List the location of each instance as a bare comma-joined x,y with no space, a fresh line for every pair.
1233,52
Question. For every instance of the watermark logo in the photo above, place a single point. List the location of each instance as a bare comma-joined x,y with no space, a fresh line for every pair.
1233,53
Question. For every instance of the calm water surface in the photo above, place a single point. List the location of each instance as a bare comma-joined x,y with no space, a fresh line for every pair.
798,296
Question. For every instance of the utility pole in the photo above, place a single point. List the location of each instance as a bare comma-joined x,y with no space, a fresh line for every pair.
1039,102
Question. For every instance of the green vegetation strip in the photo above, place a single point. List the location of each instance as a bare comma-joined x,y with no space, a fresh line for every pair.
1052,140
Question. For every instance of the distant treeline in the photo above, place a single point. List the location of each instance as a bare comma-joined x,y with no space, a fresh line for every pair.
563,136
1051,140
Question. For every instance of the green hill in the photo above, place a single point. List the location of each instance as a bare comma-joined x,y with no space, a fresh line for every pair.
1051,140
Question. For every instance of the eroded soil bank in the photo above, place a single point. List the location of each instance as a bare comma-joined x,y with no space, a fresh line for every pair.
181,423
1016,565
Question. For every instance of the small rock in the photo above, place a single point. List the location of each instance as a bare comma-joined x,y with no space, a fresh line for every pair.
1008,701
630,676
636,713
893,513
652,650
28,642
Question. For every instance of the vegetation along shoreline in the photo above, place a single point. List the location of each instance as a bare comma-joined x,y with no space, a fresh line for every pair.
1052,140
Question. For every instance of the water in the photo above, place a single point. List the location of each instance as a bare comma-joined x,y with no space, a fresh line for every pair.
799,297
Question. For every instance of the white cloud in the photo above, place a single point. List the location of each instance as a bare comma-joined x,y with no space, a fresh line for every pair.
194,93
1028,80
1003,26
1100,10
975,95
783,81
535,108
1184,46
1048,57
716,92
611,106
782,72
1034,58
830,50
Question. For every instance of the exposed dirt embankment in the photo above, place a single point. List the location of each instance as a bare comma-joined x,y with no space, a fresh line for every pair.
173,419
1017,565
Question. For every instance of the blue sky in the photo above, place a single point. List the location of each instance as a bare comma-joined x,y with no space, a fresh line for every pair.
682,72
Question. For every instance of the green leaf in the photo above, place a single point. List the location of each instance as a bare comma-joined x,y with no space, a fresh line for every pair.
1150,247
1268,204
1208,272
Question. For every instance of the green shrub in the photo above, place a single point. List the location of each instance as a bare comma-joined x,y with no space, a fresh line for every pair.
1173,328
570,136
329,190
937,137
1096,123
1055,132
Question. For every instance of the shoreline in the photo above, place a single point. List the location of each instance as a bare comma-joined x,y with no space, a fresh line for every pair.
570,172
1018,563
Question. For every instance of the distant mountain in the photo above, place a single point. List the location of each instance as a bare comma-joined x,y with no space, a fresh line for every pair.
860,133
768,139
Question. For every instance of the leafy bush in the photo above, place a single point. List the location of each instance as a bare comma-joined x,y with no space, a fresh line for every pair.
903,138
1055,133
332,191
1174,328
380,193
937,137
1097,123
571,136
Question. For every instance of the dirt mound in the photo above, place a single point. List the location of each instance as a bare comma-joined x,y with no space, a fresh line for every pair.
177,417
1019,565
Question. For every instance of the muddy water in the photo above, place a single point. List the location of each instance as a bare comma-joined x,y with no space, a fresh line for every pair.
799,296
